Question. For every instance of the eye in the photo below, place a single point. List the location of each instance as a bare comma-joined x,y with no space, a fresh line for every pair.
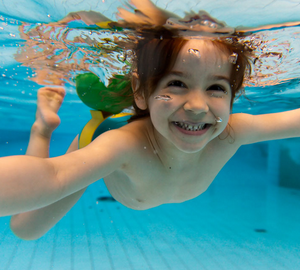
176,84
217,87
217,91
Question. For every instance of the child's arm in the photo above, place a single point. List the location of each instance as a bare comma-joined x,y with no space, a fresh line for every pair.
28,183
34,224
249,129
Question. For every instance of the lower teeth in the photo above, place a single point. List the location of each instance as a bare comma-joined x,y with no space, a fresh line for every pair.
188,129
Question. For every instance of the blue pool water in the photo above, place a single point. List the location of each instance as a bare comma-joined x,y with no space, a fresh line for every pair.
245,220
248,218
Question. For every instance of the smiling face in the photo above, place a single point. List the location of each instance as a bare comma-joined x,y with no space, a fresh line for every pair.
199,85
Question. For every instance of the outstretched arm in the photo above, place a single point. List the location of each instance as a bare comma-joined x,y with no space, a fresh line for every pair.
256,128
40,182
34,224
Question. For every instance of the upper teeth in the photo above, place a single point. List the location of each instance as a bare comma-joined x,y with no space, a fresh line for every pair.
189,126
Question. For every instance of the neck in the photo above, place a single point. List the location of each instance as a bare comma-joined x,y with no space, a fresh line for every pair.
167,152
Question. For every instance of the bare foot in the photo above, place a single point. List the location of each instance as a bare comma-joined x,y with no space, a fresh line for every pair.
49,100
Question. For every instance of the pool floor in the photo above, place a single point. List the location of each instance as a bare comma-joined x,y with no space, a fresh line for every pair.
222,229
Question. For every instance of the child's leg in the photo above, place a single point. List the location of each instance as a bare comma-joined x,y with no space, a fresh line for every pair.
33,224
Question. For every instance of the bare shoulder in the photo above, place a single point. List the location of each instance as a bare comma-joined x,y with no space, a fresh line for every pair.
122,142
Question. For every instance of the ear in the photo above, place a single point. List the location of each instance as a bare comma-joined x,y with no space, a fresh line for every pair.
139,99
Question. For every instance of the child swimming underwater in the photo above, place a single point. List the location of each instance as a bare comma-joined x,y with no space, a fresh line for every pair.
171,151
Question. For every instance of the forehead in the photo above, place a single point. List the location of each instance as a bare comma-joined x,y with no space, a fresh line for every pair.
202,53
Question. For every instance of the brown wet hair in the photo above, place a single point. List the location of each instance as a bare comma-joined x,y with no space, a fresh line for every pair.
156,53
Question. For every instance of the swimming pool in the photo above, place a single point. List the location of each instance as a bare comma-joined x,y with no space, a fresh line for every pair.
247,219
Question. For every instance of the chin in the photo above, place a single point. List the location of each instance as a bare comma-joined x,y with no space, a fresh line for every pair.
191,148
196,146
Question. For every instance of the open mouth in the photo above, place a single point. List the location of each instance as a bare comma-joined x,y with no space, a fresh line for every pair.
192,127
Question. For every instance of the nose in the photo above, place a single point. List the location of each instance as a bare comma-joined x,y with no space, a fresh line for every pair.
196,103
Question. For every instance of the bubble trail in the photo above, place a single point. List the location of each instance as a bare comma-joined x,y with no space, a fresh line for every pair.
163,97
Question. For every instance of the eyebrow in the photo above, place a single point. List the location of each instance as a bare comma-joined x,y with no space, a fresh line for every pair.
188,75
220,78
179,73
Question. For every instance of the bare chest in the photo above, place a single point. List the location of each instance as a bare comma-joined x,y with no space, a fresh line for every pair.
150,183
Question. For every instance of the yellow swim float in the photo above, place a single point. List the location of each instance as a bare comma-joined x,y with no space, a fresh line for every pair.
107,102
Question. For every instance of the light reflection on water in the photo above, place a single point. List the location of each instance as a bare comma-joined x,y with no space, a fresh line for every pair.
60,52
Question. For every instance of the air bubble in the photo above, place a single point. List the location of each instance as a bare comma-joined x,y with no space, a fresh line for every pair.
215,95
233,58
194,52
213,25
163,97
170,22
122,57
219,120
206,22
